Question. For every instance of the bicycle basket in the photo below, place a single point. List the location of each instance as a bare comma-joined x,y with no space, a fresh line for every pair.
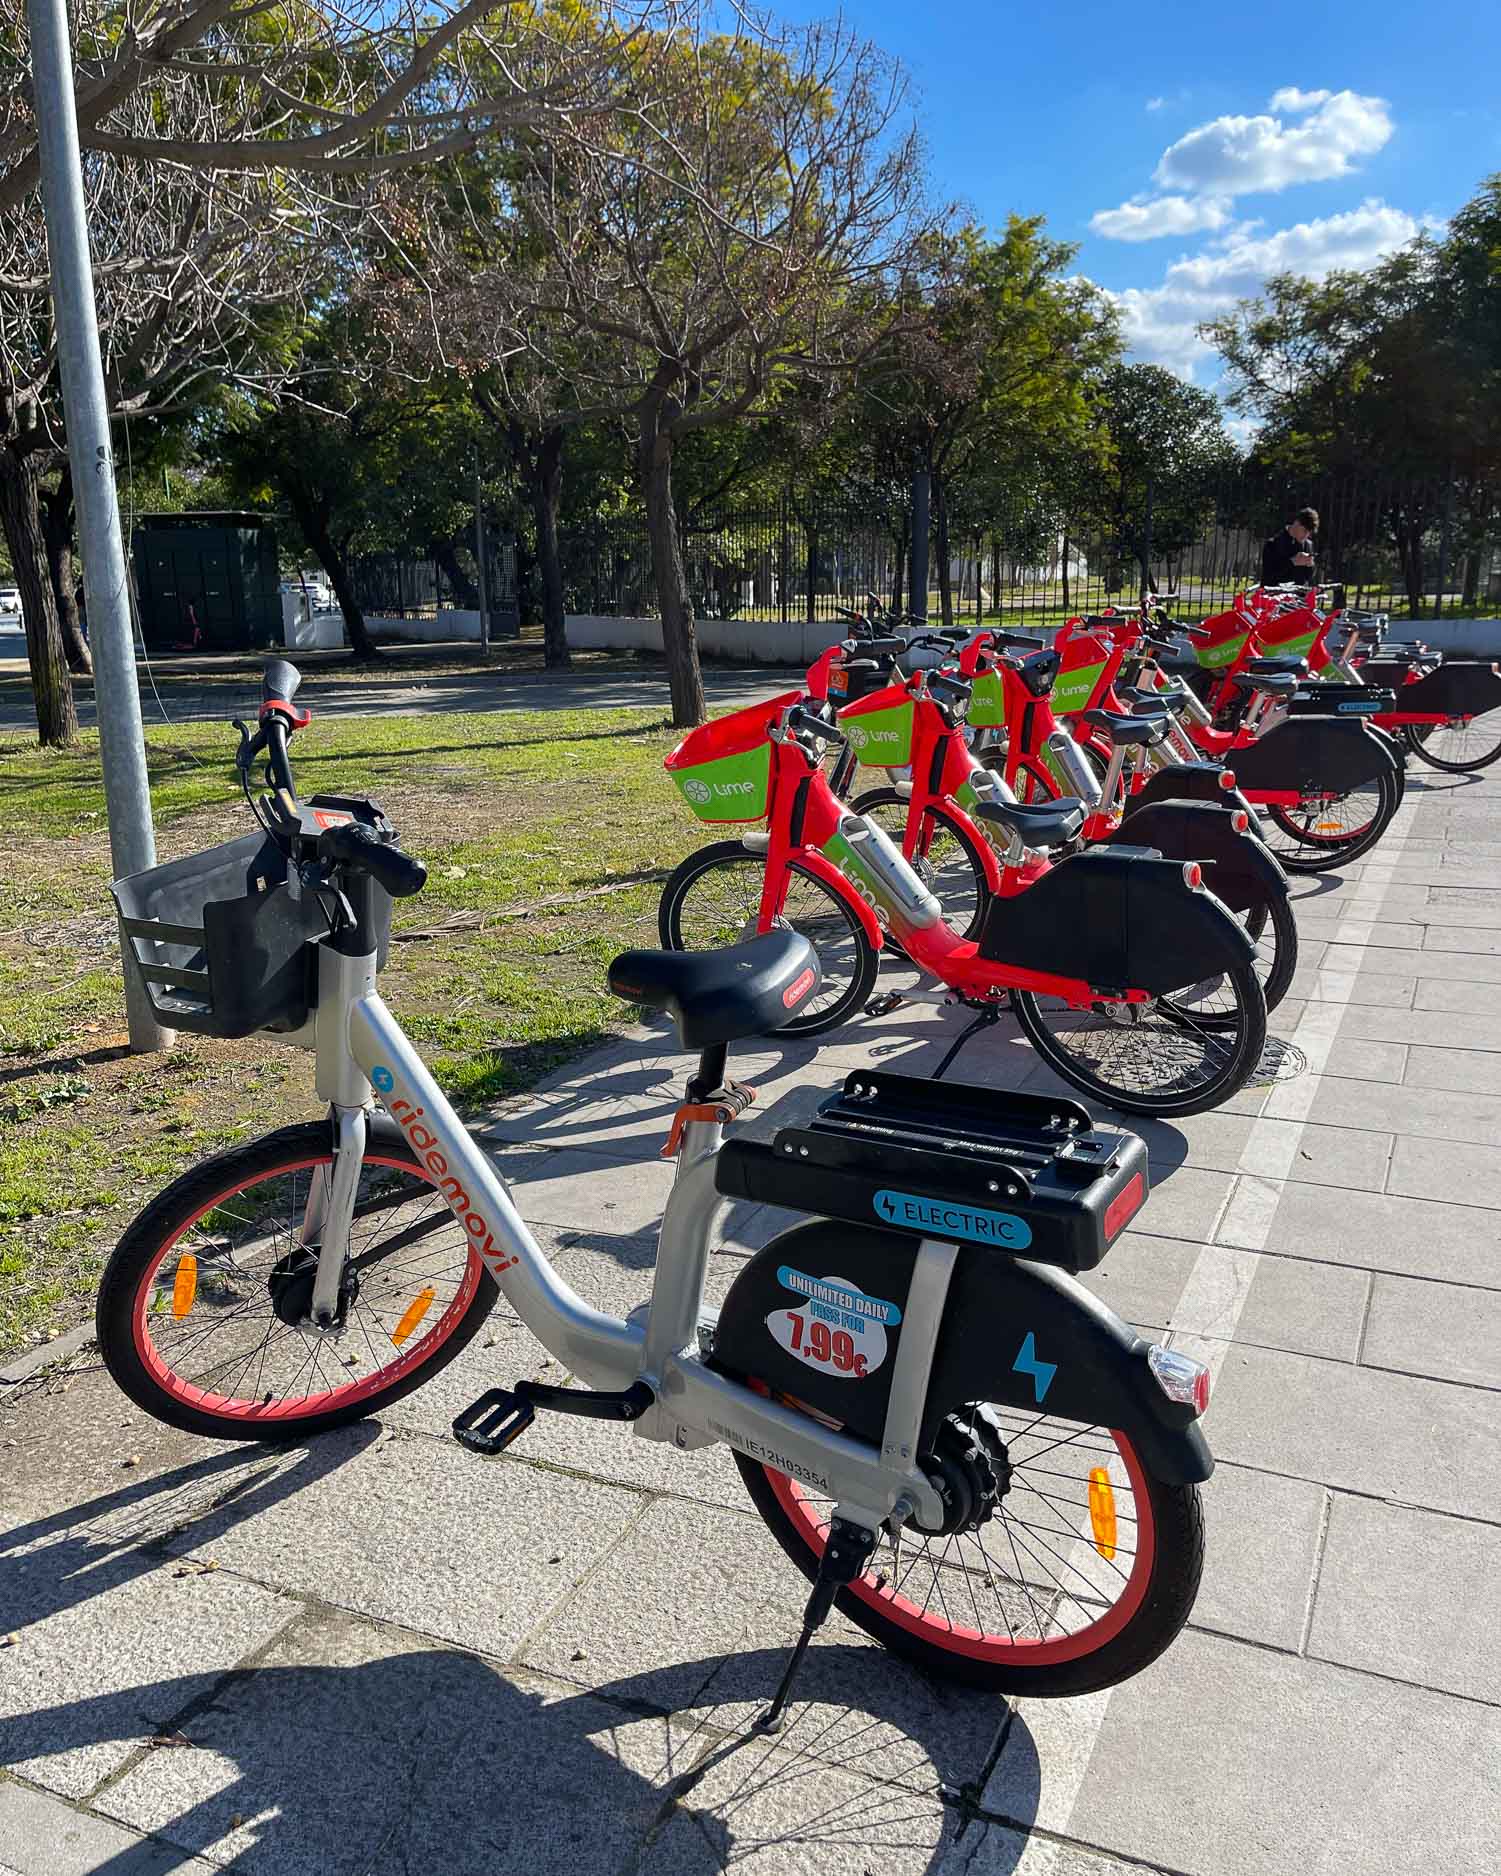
1227,635
879,728
987,701
1084,659
219,943
723,770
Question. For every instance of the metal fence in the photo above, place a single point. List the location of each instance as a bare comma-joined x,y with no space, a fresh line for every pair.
415,586
1418,549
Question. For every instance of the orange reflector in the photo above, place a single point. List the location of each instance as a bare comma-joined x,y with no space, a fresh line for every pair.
184,1285
1330,827
415,1311
1102,1513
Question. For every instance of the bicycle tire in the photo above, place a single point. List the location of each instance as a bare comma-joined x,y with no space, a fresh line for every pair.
149,1364
1230,1063
944,892
844,950
1008,1664
1413,735
1314,853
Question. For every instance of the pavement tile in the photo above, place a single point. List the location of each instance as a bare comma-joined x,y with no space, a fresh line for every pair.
1469,941
708,1607
1477,912
1314,1419
1438,1169
1348,929
418,1529
42,1836
1226,1760
1260,1544
1420,1113
1438,993
1186,1202
1296,1304
356,1750
1459,1069
1355,1060
1413,1595
1340,979
1375,1231
586,1191
761,1810
1143,1276
1440,1329
1305,1154
1421,1026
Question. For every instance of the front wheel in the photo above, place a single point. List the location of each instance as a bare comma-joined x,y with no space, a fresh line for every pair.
1173,1056
1458,748
1074,1570
713,899
203,1312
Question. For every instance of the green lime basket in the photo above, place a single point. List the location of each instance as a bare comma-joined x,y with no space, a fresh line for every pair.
723,769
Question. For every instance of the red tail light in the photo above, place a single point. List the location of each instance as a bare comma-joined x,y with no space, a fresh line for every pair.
1227,778
1241,821
1193,875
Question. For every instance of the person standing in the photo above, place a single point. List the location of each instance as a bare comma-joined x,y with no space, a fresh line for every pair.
1287,558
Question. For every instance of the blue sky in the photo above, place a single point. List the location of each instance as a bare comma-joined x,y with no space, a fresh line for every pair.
1158,121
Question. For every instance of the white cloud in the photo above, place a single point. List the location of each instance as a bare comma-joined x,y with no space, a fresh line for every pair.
1155,104
1251,155
1158,323
1166,215
1295,102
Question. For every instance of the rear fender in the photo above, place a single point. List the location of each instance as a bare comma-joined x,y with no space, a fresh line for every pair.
1316,754
1245,873
1191,781
1022,1335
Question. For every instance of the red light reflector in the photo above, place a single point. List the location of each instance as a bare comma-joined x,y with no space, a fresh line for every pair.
1227,778
1241,821
1193,875
1127,1201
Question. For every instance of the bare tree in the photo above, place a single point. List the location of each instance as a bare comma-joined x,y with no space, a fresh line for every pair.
674,262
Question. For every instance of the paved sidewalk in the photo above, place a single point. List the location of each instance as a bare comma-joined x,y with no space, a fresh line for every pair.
407,1661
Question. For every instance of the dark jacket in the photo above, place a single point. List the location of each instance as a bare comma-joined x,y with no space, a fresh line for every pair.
1277,567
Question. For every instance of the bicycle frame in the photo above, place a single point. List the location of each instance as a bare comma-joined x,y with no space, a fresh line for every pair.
361,1047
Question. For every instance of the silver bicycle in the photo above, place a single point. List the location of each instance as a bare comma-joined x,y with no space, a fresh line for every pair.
989,1471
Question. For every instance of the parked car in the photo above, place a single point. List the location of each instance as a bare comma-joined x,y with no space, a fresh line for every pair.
10,609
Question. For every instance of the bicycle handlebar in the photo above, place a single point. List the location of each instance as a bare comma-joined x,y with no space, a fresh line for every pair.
355,846
802,721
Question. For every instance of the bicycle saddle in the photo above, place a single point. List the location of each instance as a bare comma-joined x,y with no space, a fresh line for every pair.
1128,732
1274,683
721,996
1147,703
1041,824
1271,667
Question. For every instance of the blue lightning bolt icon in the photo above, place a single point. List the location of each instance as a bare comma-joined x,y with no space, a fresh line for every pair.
1042,1372
888,1206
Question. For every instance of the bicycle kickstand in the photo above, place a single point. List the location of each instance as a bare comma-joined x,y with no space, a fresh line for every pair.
846,1553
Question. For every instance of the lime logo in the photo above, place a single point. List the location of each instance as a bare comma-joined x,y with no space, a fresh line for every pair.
859,736
698,791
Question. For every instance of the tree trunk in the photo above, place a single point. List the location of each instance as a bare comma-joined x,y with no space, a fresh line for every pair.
899,580
679,646
1067,609
1469,596
21,521
465,592
945,567
547,495
57,531
314,525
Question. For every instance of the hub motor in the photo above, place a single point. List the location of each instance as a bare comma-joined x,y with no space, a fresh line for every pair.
969,1468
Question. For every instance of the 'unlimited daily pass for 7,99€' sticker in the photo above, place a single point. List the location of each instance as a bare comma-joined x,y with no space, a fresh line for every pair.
834,1327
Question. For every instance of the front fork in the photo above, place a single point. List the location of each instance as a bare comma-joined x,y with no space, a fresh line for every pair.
330,1211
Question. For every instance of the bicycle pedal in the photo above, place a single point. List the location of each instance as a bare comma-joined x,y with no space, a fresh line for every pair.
884,1004
493,1422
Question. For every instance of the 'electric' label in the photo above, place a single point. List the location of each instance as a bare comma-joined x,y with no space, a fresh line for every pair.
945,1218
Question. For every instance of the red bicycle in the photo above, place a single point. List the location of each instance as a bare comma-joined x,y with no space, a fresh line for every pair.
1127,976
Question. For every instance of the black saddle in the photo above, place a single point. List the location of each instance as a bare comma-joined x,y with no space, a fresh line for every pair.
1272,683
721,996
1145,703
1041,824
1128,732
1271,667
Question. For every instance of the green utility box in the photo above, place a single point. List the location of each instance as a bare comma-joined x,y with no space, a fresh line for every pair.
207,582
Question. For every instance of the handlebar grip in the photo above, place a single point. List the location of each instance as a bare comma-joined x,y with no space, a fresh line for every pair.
954,686
1018,641
280,682
1196,631
800,720
356,846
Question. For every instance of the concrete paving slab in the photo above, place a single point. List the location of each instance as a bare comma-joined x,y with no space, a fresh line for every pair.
709,1607
1436,1169
1375,1231
1425,1114
1467,941
1459,1069
1226,1760
756,1808
1392,1586
1261,1545
1352,1059
354,1749
1438,993
1296,1304
1347,1156
1322,928
587,1191
1334,981
1143,1276
42,1836
1313,1419
1187,1203
418,1529
81,1691
1423,1027
1440,1329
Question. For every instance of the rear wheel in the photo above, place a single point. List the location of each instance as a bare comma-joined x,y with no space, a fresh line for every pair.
203,1309
713,899
1072,1569
1325,834
1174,1055
946,858
1458,748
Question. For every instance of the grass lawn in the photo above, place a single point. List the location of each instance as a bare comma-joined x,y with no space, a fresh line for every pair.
546,837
